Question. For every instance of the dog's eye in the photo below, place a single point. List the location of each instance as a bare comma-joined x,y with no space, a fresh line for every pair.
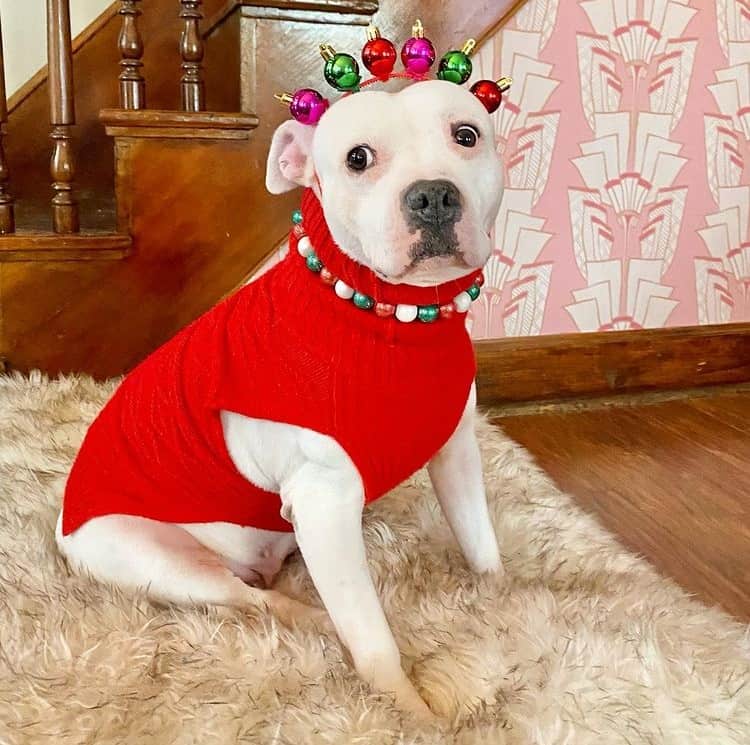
359,158
466,135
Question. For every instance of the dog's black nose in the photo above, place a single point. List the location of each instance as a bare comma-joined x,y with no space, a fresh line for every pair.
435,204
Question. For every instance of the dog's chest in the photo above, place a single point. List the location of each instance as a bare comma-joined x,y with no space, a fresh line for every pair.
390,406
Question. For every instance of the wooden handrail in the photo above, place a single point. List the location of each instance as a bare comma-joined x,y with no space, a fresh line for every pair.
62,116
192,87
7,216
132,82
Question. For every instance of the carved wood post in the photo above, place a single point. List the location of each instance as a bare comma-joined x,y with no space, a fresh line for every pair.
132,82
7,216
191,46
62,116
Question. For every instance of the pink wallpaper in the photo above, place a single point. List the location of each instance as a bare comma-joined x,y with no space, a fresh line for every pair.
625,141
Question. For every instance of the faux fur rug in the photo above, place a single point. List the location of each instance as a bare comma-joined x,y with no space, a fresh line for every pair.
582,643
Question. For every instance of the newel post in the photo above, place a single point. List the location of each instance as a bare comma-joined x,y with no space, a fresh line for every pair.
7,215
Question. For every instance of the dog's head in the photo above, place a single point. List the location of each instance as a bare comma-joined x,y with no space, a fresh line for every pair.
410,182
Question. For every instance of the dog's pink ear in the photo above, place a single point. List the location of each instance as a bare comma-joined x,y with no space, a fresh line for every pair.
290,157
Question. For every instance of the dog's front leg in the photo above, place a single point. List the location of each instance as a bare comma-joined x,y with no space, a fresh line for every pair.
456,473
326,508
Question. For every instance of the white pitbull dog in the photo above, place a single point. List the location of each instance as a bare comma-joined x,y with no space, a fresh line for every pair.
430,130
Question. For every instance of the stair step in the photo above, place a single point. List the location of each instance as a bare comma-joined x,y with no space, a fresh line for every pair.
209,125
349,12
98,212
54,247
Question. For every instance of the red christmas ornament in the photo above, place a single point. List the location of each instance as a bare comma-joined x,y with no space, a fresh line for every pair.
490,93
378,54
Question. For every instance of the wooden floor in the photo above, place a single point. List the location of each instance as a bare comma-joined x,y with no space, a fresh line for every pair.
671,479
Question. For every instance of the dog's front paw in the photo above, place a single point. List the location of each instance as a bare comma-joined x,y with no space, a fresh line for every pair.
490,565
412,704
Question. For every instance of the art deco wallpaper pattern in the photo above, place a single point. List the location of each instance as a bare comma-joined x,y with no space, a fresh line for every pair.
626,146
625,142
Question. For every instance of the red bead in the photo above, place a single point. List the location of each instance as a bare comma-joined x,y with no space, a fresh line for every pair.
447,311
479,280
384,310
327,277
379,56
489,93
298,230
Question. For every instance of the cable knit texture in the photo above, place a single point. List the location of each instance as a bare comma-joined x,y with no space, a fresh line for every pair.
287,349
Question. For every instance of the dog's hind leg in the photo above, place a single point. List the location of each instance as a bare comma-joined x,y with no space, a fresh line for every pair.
170,566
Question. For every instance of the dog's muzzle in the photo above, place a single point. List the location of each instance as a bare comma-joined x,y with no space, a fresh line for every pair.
433,208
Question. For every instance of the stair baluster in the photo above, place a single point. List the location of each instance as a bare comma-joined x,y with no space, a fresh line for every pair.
191,46
62,116
132,82
7,216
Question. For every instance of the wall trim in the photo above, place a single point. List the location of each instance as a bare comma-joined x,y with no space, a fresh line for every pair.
587,365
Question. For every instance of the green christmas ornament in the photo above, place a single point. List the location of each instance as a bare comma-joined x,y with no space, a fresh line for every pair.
455,66
341,70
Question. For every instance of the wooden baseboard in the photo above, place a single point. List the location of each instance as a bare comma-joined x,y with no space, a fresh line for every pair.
588,365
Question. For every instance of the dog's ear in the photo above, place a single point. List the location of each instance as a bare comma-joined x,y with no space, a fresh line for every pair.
290,157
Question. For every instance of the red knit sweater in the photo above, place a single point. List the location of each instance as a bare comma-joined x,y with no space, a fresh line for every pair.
287,349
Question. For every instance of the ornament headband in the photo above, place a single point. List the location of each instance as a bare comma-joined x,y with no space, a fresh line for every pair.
341,71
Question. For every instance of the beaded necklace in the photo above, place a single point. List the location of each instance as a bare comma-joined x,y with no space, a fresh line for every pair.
403,312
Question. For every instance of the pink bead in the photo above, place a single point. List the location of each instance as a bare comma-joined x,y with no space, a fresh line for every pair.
417,55
479,280
384,310
298,230
447,311
308,106
327,277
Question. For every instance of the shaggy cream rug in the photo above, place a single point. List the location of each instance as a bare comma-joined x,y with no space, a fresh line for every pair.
582,643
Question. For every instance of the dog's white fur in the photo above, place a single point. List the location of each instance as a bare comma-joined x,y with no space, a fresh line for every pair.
411,133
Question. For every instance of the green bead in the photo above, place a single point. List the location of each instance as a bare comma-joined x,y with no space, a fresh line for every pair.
342,72
297,217
455,67
428,313
314,264
365,302
473,292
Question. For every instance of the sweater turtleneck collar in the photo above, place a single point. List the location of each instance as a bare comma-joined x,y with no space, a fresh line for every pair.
360,277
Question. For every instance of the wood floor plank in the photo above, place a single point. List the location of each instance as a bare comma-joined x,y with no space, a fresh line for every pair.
672,480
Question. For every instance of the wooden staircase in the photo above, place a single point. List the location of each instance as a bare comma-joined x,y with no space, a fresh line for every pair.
123,251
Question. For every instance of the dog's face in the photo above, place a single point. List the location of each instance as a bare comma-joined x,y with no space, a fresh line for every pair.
410,182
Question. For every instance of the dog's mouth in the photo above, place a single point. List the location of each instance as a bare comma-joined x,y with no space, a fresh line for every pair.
435,243
433,270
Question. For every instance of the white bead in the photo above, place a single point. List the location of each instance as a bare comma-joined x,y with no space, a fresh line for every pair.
406,313
304,247
343,290
462,301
